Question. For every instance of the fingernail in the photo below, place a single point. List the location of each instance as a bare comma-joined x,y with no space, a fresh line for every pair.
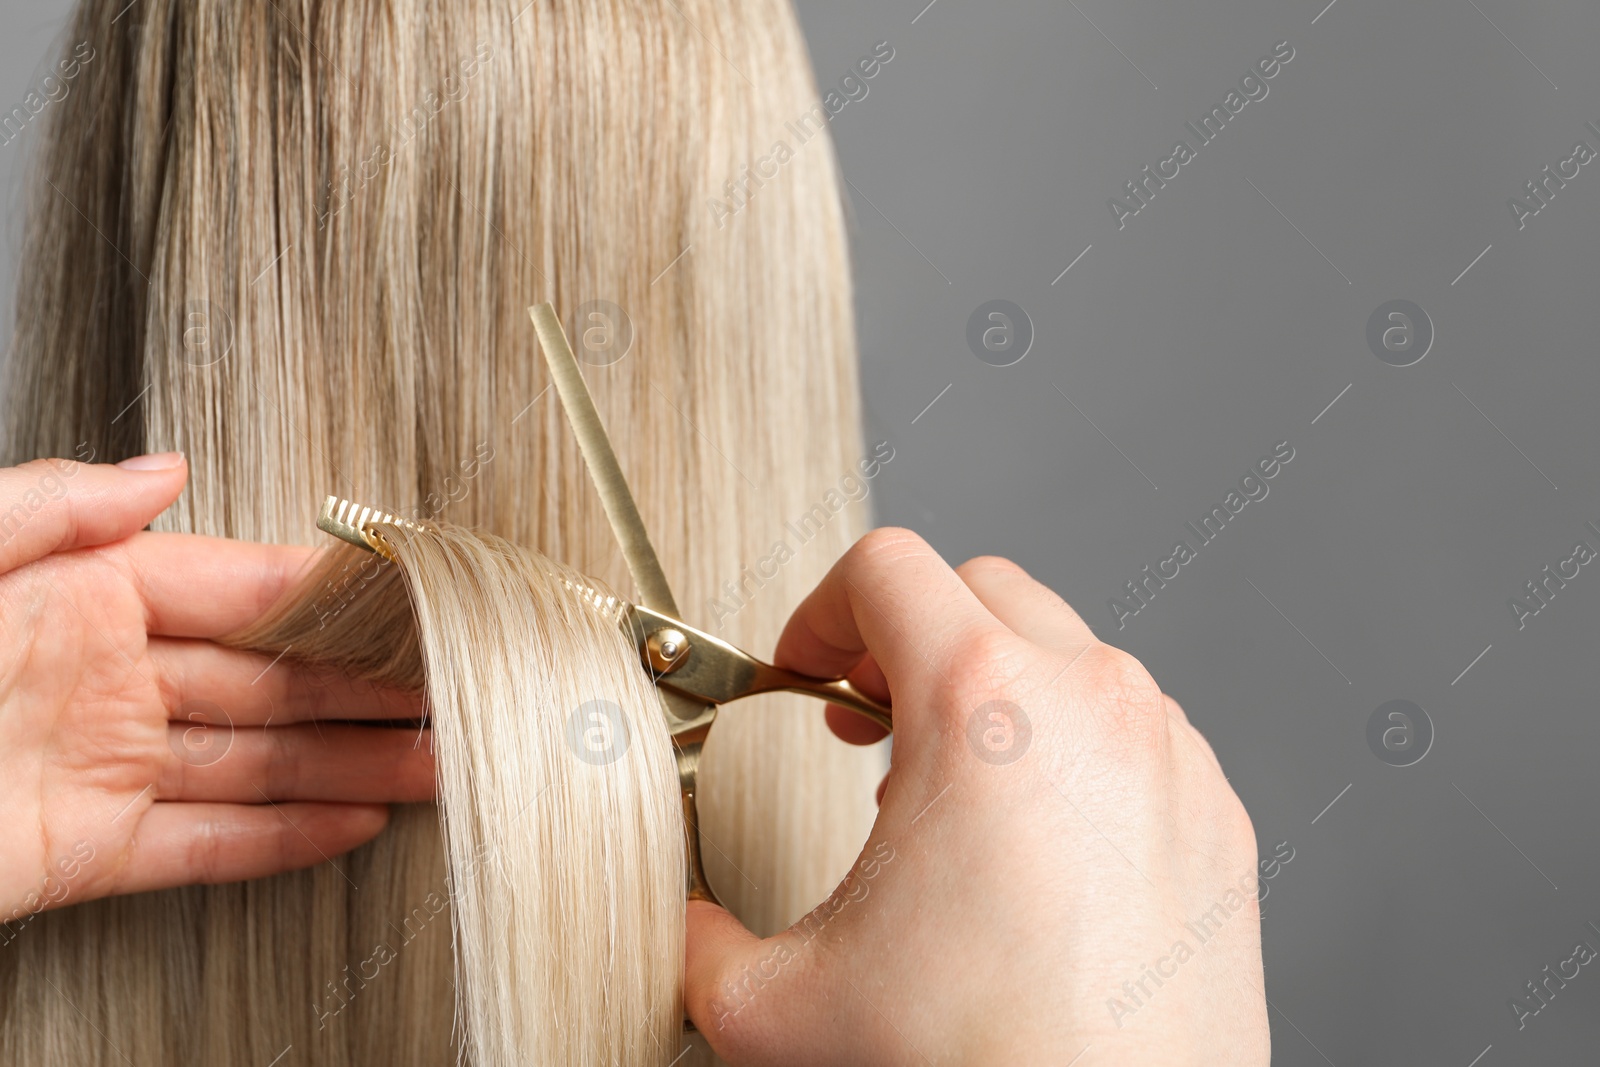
159,461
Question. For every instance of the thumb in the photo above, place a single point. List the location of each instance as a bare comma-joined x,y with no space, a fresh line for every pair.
720,956
52,505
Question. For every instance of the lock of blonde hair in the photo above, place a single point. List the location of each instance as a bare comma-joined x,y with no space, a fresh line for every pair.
296,240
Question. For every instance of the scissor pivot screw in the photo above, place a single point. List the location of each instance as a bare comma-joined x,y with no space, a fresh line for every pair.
666,649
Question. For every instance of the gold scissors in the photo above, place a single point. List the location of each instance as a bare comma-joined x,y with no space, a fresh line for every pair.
694,672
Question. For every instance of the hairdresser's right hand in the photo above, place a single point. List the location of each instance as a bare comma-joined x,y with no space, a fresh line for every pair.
111,781
1059,873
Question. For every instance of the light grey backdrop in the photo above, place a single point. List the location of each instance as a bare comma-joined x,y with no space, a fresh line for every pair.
1223,318
1171,354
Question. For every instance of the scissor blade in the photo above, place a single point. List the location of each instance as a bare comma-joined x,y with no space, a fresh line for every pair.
640,554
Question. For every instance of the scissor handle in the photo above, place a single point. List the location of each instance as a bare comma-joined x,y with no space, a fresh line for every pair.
708,669
765,679
834,690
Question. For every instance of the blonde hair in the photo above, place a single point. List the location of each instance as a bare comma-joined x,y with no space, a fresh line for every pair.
558,789
203,273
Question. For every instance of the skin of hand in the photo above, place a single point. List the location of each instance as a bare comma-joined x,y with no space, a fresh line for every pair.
1051,830
135,753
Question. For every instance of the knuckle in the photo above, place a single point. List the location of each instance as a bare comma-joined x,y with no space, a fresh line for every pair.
280,773
886,544
169,682
1128,703
986,663
173,777
286,842
205,852
989,566
298,688
1120,677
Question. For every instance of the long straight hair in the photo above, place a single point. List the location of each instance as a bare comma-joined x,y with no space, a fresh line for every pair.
296,240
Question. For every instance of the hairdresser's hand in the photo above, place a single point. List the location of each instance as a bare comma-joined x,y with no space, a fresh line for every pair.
1059,868
110,781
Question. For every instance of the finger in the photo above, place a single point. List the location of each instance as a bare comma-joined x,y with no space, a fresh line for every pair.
1030,608
205,844
207,683
718,950
892,595
850,726
196,586
51,505
363,764
853,727
1175,709
868,677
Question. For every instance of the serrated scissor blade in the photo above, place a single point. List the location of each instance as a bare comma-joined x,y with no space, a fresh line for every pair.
640,554
687,718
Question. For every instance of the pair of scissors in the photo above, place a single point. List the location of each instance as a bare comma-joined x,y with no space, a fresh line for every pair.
694,672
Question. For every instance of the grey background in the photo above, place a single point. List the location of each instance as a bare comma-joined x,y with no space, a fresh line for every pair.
1221,320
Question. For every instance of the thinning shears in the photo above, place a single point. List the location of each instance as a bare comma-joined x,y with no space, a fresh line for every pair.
695,672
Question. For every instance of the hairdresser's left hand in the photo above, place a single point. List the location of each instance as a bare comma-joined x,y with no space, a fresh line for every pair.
137,754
